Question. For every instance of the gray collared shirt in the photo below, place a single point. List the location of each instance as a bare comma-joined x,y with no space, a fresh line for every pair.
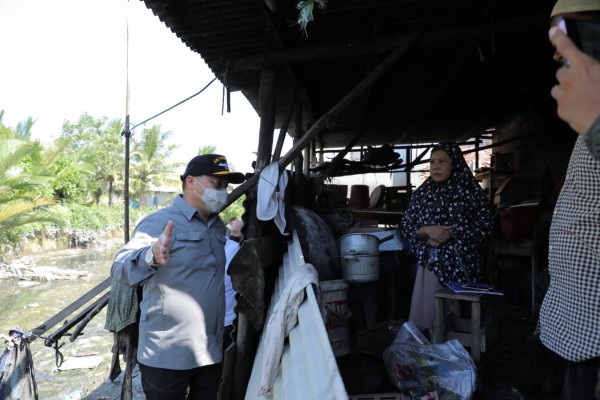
183,305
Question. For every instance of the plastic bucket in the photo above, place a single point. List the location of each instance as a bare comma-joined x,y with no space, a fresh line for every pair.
334,295
359,196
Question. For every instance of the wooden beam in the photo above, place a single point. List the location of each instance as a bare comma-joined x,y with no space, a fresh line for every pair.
364,85
266,104
326,118
442,37
71,308
298,188
271,5
276,43
340,156
284,126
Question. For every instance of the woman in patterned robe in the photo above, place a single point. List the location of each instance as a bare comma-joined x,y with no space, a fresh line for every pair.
447,219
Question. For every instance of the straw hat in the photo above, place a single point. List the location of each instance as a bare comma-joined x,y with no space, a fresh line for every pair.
569,6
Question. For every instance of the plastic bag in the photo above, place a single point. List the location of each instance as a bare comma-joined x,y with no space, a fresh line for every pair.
410,333
443,371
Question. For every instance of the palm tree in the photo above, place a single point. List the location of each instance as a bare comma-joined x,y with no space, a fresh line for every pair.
73,178
23,189
210,149
149,162
207,150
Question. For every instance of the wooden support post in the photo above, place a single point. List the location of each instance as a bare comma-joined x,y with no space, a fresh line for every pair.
247,338
266,99
284,126
298,187
321,123
476,330
307,159
439,324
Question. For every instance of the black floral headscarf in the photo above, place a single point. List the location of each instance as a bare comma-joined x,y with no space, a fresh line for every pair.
458,202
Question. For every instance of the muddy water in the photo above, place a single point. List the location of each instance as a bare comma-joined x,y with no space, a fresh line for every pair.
30,306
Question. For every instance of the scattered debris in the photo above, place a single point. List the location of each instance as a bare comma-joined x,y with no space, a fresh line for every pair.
31,272
85,362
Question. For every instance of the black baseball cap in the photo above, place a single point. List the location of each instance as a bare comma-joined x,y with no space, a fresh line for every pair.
212,165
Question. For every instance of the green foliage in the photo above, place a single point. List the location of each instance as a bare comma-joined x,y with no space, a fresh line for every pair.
84,223
236,209
70,179
82,167
97,153
150,166
207,150
24,183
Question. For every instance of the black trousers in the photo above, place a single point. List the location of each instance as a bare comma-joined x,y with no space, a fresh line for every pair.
169,384
580,379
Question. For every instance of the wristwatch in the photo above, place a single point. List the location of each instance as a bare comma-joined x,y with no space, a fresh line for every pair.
149,258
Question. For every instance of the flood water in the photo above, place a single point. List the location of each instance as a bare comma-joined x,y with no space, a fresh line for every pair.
30,306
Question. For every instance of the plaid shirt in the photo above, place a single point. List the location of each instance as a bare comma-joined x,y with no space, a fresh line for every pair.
570,314
592,139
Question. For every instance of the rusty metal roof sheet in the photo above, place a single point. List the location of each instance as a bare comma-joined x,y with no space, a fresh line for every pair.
474,63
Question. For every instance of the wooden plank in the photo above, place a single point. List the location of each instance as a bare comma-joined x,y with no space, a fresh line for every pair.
284,126
326,118
476,330
71,308
76,319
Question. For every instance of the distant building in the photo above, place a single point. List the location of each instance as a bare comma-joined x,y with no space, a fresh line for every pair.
159,196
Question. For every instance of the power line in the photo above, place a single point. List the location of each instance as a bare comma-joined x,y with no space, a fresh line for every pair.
175,105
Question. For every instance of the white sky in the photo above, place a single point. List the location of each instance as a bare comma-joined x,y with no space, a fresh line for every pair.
61,58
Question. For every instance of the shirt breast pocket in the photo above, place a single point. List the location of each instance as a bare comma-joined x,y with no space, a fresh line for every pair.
189,245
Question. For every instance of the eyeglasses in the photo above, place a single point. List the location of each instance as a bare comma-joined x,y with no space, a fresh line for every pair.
217,183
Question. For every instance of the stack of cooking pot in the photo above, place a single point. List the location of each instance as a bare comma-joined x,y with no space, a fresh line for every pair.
360,256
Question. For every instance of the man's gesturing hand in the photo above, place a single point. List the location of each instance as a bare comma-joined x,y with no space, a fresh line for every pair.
161,247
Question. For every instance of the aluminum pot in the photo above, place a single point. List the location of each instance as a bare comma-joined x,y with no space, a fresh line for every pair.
361,243
360,268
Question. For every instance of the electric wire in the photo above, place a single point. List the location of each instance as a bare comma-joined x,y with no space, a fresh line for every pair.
175,105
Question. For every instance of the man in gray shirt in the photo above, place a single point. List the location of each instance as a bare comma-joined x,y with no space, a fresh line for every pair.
177,255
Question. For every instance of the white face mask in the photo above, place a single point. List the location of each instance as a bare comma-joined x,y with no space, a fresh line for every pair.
214,200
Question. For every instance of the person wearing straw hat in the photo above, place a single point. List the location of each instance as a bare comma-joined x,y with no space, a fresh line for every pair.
570,313
177,256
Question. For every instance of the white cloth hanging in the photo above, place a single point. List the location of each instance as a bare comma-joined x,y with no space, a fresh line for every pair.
271,196
284,317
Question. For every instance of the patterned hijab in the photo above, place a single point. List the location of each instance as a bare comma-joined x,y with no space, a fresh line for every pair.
458,202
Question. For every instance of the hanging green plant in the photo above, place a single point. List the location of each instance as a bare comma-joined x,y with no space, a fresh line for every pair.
306,11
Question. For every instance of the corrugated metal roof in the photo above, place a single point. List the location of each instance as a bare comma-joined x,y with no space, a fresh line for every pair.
308,368
477,62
